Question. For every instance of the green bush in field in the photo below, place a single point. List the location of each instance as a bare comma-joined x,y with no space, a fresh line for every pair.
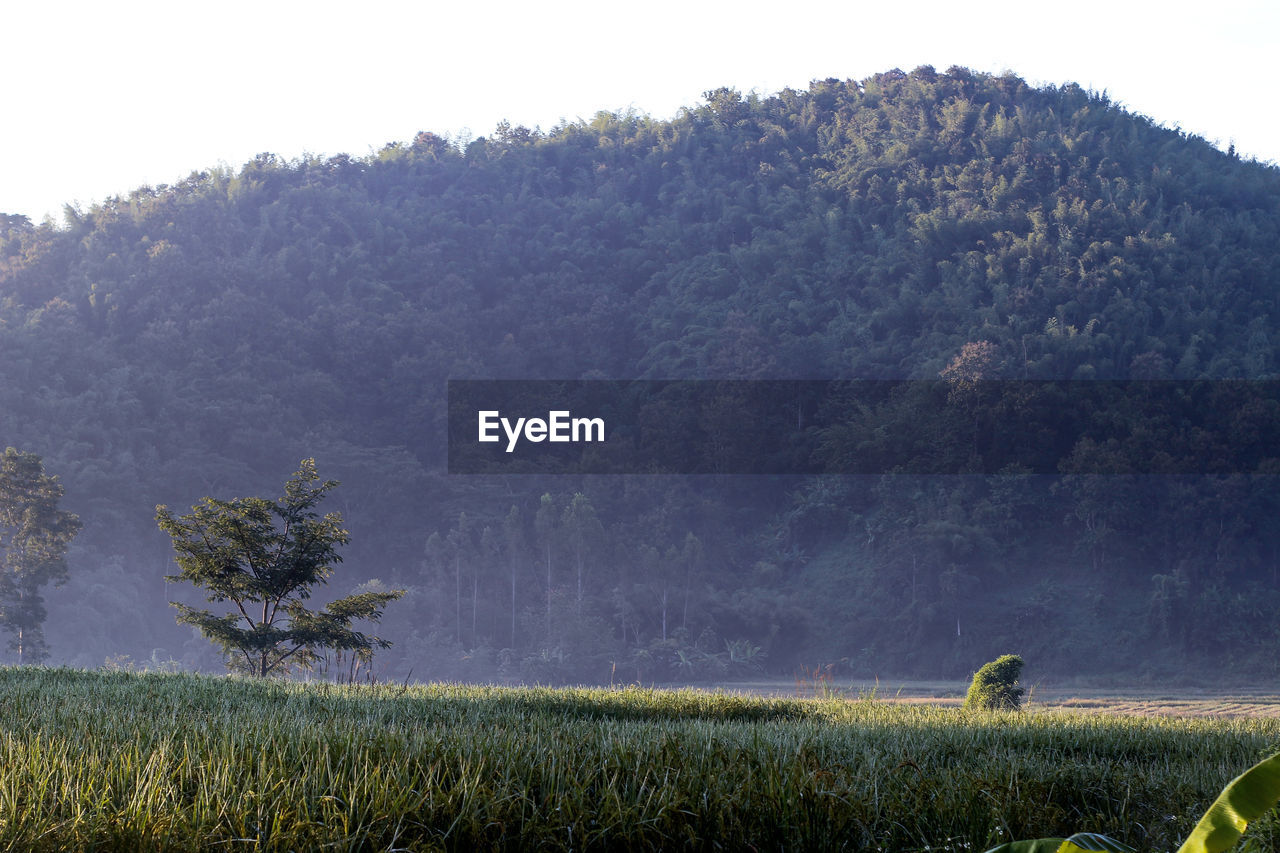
995,686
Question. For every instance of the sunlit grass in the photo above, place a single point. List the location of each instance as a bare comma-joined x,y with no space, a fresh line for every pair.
173,762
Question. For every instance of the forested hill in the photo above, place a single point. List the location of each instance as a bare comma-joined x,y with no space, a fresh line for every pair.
199,339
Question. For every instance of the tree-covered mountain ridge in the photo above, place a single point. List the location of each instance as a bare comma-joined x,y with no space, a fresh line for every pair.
200,338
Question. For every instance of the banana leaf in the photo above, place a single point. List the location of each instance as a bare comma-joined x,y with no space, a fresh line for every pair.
1248,797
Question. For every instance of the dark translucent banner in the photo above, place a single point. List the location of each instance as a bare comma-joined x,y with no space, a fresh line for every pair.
863,427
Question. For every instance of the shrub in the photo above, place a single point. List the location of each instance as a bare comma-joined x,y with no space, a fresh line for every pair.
995,685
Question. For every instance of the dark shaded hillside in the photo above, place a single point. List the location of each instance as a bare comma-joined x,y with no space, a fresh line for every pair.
201,338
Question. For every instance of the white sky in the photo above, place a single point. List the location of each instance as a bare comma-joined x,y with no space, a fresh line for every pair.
103,97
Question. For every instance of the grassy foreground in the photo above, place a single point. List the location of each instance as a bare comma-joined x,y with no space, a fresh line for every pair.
173,762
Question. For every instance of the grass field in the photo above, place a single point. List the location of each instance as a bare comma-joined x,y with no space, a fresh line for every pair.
180,762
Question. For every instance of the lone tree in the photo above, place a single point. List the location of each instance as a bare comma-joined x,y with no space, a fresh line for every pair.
34,535
265,557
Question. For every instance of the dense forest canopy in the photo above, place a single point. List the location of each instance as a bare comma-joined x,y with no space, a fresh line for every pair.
200,339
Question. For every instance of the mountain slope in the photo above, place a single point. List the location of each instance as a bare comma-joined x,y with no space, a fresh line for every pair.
199,339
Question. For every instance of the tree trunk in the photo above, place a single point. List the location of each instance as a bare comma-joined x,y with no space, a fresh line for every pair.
579,601
664,613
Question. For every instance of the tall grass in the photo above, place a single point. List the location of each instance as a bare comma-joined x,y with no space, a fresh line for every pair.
181,762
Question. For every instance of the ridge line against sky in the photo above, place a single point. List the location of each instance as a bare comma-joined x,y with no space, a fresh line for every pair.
116,96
